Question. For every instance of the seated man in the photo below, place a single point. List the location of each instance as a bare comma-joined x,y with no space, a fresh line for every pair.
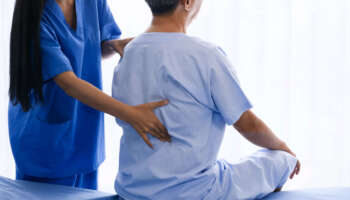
204,95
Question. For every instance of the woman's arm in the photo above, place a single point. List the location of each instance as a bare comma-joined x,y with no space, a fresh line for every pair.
109,48
257,132
140,117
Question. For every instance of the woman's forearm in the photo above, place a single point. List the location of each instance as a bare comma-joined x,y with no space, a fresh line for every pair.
90,95
141,117
257,132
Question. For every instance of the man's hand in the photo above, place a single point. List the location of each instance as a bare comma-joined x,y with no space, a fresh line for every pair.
296,171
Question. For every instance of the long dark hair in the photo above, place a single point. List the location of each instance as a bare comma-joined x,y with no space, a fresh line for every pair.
26,79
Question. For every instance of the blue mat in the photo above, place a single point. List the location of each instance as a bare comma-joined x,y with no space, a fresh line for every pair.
23,190
312,194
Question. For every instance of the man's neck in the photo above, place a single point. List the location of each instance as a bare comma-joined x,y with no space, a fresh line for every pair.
171,24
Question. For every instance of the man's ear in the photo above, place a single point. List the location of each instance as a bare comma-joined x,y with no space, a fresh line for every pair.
187,4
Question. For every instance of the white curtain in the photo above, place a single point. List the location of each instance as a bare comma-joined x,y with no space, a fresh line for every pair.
293,60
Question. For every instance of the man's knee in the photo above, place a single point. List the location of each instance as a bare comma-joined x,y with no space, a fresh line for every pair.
280,160
289,159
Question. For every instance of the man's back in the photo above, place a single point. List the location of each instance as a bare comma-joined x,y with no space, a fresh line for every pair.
203,93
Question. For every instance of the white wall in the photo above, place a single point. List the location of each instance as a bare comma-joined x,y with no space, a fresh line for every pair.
6,160
293,59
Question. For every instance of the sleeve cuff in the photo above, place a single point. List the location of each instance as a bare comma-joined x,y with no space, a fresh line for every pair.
233,118
55,72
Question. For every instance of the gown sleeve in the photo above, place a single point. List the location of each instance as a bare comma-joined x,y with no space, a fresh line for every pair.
54,61
108,27
226,93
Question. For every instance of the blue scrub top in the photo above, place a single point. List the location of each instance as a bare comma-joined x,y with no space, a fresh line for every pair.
62,136
204,95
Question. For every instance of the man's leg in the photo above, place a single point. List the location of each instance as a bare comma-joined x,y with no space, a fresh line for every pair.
257,175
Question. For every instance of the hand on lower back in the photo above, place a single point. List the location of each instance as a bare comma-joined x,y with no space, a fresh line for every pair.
144,121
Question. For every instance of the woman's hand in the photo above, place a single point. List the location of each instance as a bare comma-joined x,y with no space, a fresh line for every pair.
144,121
119,45
109,48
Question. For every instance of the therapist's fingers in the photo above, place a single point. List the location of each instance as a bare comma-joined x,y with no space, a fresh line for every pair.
158,134
119,45
144,120
157,104
146,139
157,124
143,131
162,130
127,40
143,135
161,135
149,126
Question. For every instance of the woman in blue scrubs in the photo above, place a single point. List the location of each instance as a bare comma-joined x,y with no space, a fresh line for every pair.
56,111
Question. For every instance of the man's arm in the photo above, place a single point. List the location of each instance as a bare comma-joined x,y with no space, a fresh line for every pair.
258,133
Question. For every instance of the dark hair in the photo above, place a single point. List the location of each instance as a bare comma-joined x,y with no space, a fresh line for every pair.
25,57
161,7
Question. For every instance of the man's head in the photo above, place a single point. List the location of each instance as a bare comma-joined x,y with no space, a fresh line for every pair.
188,9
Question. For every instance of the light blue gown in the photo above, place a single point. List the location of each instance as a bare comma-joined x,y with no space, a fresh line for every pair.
205,96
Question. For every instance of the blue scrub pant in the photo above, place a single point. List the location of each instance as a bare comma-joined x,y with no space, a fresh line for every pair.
87,180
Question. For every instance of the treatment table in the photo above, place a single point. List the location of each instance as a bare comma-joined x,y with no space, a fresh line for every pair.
312,194
24,190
